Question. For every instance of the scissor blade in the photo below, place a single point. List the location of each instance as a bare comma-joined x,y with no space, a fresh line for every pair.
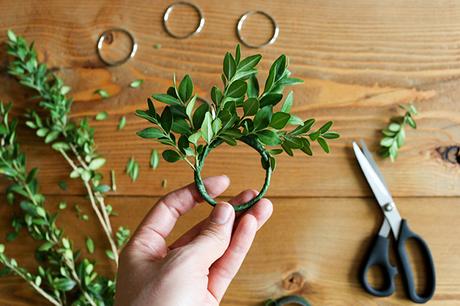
381,193
371,161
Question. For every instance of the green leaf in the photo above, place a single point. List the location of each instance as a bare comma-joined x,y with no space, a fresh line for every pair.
411,122
249,62
132,169
216,95
394,127
150,132
198,115
90,245
268,137
62,185
287,105
237,89
251,106
206,128
58,146
386,142
323,144
295,120
11,36
110,254
262,118
194,137
279,120
237,54
271,99
325,127
228,140
166,99
171,156
166,119
121,123
229,66
304,128
96,163
102,116
52,136
42,132
401,138
102,93
190,107
253,87
331,135
216,125
186,88
64,284
46,246
154,159
136,83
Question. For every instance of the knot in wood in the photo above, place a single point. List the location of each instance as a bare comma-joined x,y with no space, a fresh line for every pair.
294,282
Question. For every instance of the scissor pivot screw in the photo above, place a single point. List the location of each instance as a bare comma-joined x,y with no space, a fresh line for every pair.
388,207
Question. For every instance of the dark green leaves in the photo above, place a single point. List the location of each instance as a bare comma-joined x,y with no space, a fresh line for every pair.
171,156
199,114
279,120
165,98
237,89
186,88
251,106
229,66
262,118
166,119
269,137
150,133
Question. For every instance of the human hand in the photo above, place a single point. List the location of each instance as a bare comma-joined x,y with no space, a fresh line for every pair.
198,267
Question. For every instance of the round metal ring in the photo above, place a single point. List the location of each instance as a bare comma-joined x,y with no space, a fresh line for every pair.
170,9
104,36
241,22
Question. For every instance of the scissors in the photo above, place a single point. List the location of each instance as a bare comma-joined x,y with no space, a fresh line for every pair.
379,252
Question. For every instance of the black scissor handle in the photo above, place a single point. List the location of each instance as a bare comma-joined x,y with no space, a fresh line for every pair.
408,277
379,256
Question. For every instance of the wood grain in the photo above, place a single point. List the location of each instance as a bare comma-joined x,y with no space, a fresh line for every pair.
359,60
311,247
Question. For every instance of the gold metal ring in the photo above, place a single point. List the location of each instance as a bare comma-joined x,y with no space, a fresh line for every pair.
104,36
168,12
241,22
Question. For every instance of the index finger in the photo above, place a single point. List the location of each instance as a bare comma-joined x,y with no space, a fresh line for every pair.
160,220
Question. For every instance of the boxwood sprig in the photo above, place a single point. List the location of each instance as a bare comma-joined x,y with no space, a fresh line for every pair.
394,135
63,275
240,111
73,140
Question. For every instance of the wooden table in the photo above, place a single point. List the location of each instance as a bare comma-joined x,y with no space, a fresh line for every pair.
359,60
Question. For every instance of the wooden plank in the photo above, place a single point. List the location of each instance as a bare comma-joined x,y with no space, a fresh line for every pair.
357,67
310,246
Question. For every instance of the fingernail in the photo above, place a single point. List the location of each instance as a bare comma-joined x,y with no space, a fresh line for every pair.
221,213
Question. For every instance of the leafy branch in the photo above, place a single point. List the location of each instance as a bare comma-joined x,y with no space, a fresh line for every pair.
61,271
394,134
75,142
188,123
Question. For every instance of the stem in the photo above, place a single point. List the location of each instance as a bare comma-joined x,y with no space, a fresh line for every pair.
96,209
42,292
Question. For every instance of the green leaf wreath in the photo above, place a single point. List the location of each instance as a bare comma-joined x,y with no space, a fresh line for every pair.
192,127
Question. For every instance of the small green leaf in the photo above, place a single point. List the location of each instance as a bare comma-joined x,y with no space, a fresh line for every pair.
154,159
394,127
229,66
198,115
102,116
216,125
90,245
186,88
96,163
150,132
249,62
62,185
171,156
11,36
331,135
102,93
64,284
110,254
271,99
268,137
206,128
58,146
411,122
121,123
136,83
262,118
325,127
166,119
194,137
216,95
166,99
251,106
279,120
323,144
190,107
237,89
253,87
287,105
62,205
386,142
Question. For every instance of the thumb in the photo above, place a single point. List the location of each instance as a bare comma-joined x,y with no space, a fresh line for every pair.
213,240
